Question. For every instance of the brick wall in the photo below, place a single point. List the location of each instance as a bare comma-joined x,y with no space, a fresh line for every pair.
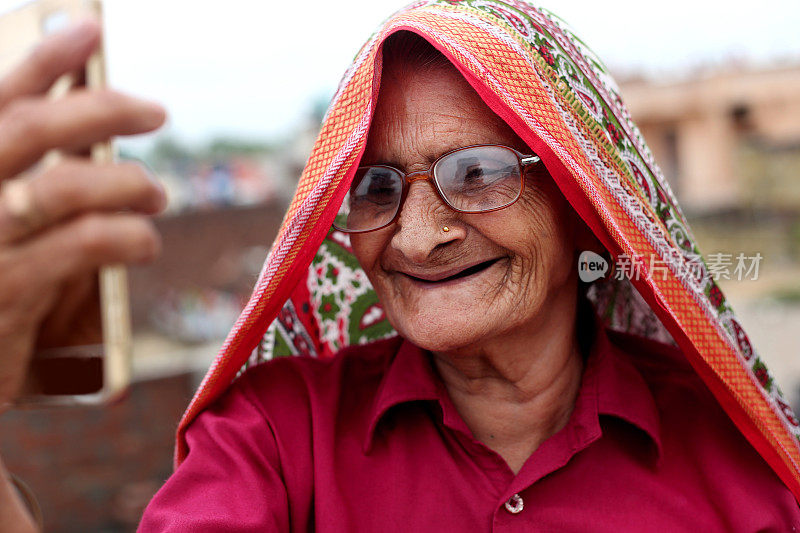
94,469
206,249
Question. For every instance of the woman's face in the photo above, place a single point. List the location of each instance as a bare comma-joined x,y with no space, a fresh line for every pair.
526,251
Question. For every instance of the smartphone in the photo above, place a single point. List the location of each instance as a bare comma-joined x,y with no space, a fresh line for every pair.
83,350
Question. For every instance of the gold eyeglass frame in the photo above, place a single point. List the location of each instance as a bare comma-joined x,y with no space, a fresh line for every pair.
408,178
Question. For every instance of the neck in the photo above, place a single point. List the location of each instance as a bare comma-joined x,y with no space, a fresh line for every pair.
516,391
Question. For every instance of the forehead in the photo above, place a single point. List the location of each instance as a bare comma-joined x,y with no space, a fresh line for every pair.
425,112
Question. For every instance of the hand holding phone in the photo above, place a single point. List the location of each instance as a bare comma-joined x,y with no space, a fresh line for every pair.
63,221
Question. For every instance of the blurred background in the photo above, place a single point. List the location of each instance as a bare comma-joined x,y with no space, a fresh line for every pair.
715,90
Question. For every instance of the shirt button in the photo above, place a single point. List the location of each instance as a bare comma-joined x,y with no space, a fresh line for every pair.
515,504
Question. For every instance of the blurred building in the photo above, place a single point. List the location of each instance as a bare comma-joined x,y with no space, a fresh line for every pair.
210,260
724,139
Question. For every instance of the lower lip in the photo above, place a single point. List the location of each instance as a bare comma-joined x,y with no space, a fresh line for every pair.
449,282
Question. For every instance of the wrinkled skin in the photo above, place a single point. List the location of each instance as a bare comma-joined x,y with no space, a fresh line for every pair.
418,118
504,339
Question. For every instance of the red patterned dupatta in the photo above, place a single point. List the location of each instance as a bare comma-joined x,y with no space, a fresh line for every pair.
312,297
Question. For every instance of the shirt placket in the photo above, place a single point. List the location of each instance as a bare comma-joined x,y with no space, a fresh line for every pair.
516,507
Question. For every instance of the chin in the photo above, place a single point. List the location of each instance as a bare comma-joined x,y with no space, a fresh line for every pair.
437,344
438,336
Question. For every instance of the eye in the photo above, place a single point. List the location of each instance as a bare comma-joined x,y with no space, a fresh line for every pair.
378,186
486,174
474,175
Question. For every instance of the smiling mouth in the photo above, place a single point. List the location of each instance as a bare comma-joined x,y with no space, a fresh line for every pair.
469,271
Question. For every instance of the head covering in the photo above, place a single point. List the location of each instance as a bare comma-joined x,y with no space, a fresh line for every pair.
532,71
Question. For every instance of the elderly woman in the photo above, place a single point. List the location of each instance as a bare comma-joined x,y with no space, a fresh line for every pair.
463,377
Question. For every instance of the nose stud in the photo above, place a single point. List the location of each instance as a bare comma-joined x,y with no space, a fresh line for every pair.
445,229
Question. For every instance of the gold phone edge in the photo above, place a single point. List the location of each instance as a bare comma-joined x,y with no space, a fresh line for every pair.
113,279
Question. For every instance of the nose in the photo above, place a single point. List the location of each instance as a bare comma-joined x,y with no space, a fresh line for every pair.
419,228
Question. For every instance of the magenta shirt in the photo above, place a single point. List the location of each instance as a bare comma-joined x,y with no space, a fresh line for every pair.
370,441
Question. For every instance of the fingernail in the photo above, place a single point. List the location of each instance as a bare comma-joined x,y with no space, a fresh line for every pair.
156,113
83,31
153,177
164,199
158,109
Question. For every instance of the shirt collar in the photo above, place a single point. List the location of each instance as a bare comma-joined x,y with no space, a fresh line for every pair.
409,377
620,389
622,392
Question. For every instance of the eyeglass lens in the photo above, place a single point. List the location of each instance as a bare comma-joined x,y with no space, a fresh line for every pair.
473,180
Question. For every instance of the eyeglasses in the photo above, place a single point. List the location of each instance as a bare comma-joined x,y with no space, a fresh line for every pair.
473,179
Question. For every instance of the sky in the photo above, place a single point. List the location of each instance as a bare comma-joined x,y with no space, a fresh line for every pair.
253,69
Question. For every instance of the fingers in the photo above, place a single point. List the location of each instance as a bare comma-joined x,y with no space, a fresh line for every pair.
33,271
72,188
65,222
79,246
29,127
77,185
64,52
